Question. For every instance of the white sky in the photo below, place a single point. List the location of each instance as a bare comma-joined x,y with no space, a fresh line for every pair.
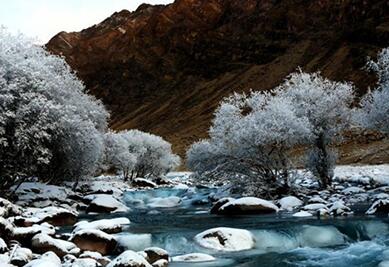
45,18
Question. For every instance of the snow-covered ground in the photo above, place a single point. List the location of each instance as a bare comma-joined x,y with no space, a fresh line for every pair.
363,174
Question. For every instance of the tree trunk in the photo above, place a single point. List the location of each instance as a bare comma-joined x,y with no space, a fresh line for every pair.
322,168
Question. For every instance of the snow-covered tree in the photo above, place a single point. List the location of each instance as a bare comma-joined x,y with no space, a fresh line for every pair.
250,137
154,155
117,153
375,108
49,126
326,105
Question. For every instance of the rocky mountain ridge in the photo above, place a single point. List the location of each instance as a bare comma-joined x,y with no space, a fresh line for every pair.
164,69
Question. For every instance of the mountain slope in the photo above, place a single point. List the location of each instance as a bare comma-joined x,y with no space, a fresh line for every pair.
164,69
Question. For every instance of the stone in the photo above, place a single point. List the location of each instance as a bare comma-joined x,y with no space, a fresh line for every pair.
154,254
95,240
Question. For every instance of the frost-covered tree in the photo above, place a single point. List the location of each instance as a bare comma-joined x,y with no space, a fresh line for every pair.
154,155
251,135
375,105
49,126
250,138
326,105
117,153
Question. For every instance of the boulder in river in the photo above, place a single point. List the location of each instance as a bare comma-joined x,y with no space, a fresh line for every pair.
25,234
247,205
226,239
102,203
129,258
42,243
54,215
49,259
141,182
161,263
154,254
193,257
218,204
96,256
110,226
380,206
290,202
95,240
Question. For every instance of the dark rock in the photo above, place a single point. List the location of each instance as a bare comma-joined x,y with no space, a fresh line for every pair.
95,240
154,254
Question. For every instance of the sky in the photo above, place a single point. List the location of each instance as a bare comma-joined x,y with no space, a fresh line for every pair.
42,19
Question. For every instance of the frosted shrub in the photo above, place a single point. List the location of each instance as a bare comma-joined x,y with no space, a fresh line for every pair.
249,138
118,155
139,154
252,135
375,105
49,126
154,154
326,106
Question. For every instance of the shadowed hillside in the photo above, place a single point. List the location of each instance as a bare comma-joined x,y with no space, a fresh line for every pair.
164,69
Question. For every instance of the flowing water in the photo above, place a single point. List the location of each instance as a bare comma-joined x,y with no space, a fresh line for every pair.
281,240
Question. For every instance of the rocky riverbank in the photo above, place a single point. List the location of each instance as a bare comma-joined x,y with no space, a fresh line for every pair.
48,225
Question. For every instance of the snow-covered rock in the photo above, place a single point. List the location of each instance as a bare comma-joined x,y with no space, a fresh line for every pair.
6,229
193,257
129,258
96,256
339,209
218,204
226,239
102,203
49,259
21,256
94,240
9,209
381,196
353,190
154,254
367,174
109,226
317,208
3,246
112,185
160,263
42,243
290,202
54,215
72,261
314,207
247,205
165,202
317,199
30,192
25,234
380,206
302,214
141,182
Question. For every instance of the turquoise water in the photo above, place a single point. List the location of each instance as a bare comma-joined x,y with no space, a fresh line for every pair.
281,240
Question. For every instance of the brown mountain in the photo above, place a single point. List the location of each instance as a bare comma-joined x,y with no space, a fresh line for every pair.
164,69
